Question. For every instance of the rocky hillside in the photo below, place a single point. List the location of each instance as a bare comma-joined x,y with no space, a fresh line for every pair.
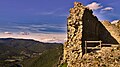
114,29
116,23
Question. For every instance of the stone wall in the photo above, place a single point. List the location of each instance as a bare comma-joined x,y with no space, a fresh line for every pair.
83,25
73,47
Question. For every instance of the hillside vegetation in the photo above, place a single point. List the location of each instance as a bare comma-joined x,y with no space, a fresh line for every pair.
49,58
29,53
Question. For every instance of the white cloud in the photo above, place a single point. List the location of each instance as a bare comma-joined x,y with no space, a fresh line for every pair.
107,9
104,10
40,28
57,12
114,21
51,37
7,32
22,27
44,26
94,6
49,12
46,13
66,14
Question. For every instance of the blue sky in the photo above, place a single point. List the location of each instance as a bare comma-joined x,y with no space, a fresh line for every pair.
46,16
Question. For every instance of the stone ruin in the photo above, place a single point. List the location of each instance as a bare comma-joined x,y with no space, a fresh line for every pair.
83,26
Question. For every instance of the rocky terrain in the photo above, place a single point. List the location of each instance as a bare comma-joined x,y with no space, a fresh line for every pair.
114,29
83,26
106,57
117,23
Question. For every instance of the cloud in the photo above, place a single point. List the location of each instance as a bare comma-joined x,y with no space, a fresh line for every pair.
52,12
22,27
114,21
46,13
48,27
94,6
107,9
24,33
51,37
104,10
56,12
40,28
7,32
63,15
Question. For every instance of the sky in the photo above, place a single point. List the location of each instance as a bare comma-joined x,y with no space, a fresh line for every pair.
32,18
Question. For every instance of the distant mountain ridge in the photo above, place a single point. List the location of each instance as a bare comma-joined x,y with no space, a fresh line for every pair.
25,49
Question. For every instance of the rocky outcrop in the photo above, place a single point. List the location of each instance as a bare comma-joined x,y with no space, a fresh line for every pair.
82,26
116,23
113,29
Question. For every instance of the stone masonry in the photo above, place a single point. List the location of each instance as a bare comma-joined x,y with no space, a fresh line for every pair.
82,26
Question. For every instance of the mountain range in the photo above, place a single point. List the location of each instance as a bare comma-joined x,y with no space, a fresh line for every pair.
25,52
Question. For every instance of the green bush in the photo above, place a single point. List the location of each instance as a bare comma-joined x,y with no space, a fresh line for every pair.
63,65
